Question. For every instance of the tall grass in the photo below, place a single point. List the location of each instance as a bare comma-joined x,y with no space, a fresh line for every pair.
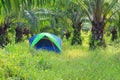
17,62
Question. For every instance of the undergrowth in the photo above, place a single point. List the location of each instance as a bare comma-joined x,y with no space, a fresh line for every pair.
17,62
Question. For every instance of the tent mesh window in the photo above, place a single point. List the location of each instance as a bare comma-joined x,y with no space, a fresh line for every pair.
45,43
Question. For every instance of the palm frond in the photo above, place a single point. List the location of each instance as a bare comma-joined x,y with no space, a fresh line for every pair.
32,19
110,6
85,8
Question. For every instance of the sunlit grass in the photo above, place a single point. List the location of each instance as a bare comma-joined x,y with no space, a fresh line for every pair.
77,62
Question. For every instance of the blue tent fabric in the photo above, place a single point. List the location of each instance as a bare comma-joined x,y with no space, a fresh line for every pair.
58,39
46,44
32,39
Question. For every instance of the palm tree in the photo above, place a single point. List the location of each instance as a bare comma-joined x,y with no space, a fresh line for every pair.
17,8
76,25
114,26
73,13
4,38
117,22
99,12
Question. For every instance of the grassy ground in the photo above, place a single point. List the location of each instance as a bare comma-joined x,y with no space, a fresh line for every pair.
17,62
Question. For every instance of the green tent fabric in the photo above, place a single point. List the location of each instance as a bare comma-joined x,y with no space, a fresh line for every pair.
51,37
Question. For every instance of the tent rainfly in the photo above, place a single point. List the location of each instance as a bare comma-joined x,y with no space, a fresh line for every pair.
46,41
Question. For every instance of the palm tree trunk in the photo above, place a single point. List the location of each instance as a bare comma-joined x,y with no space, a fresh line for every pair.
26,32
4,39
77,35
19,35
97,34
114,34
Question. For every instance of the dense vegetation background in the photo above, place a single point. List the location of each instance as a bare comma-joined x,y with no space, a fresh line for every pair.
90,31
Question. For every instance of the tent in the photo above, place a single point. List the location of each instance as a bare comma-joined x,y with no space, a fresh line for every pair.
46,41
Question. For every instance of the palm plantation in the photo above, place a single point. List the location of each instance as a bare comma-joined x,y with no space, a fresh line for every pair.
99,12
82,56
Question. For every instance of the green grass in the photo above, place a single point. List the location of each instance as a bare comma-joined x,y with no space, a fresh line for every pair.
17,62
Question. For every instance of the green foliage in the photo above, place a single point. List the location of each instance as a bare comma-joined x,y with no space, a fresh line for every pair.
74,63
17,62
99,13
76,38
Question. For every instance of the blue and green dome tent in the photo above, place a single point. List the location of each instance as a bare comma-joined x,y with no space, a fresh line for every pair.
46,41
